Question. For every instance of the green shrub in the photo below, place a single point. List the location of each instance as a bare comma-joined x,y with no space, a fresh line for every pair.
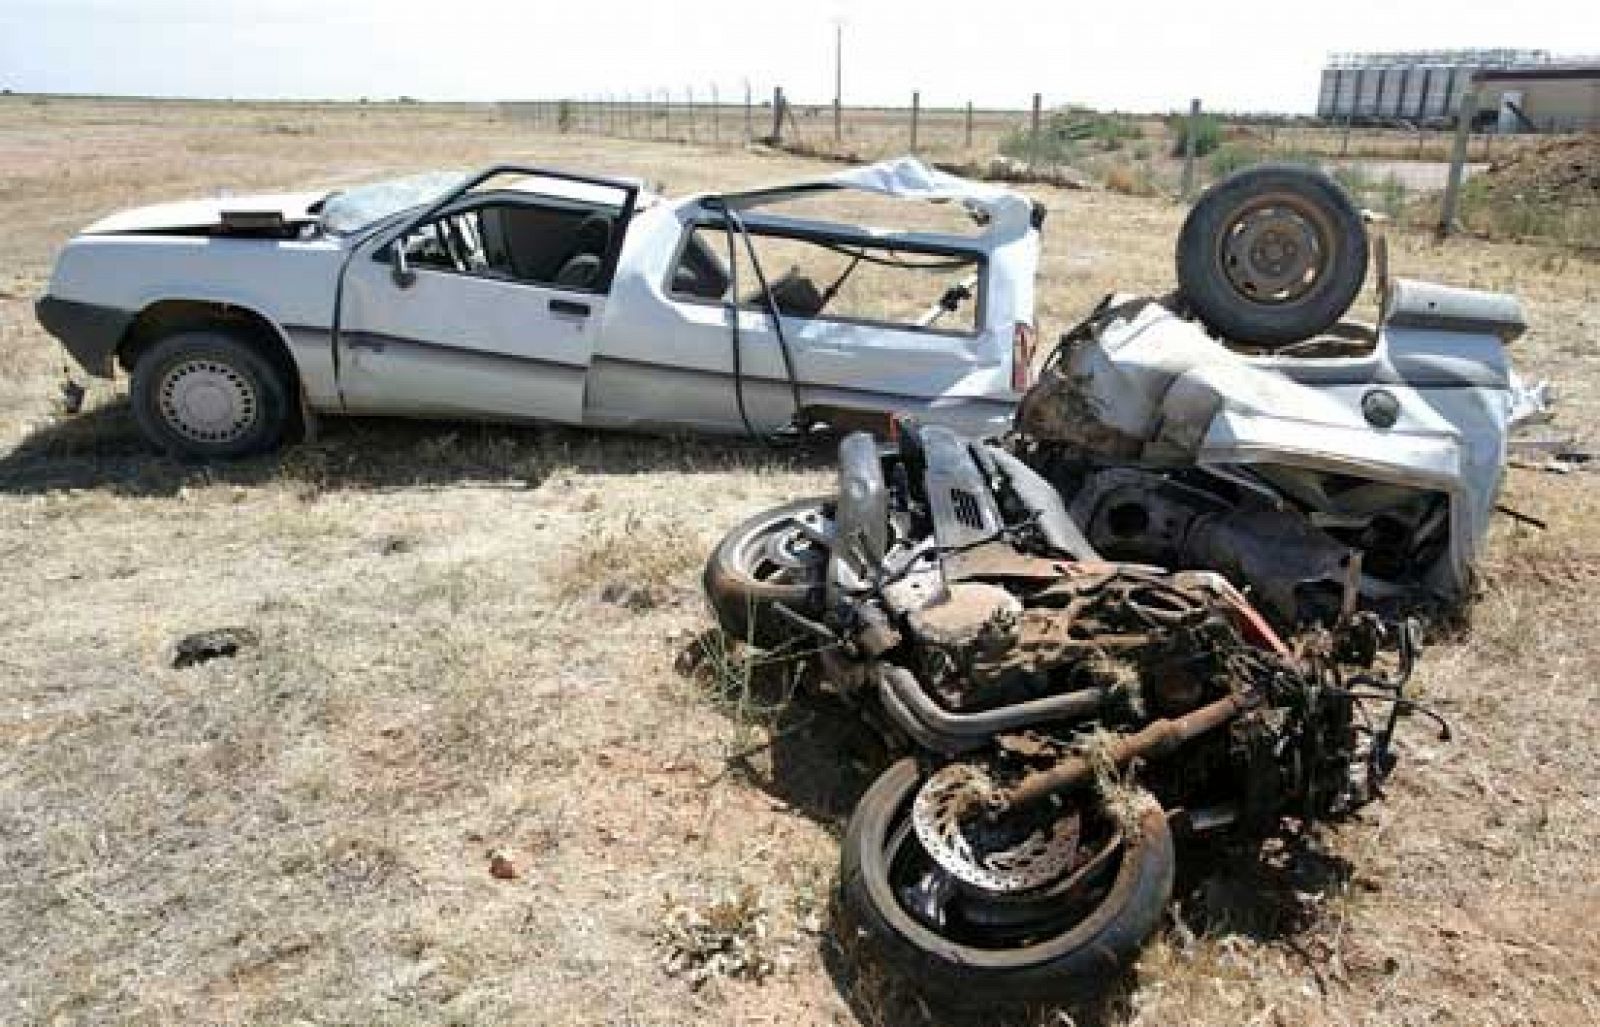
1228,159
1066,134
1207,134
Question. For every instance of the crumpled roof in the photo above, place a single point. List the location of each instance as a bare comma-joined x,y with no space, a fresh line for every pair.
909,178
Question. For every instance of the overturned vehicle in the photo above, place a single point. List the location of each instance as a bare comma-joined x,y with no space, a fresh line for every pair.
1182,596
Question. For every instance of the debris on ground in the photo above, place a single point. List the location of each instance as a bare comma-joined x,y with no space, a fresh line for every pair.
1009,169
217,643
729,937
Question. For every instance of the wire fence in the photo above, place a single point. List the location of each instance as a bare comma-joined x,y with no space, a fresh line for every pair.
1396,170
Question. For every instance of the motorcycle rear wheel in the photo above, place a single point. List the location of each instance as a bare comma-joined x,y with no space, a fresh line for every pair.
1061,961
766,560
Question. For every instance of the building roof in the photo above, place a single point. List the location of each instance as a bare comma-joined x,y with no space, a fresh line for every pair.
1571,70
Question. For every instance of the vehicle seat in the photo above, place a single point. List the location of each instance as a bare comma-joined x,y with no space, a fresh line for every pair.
592,240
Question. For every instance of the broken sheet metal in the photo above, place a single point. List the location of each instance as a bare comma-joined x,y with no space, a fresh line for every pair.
1424,411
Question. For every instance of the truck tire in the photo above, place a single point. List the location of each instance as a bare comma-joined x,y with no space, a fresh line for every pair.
1272,255
208,395
1070,961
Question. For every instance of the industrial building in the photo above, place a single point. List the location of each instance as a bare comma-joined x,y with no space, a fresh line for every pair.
1518,90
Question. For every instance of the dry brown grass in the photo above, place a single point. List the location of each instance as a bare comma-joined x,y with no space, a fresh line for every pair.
303,832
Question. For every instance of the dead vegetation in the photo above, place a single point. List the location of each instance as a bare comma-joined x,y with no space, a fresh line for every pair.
305,830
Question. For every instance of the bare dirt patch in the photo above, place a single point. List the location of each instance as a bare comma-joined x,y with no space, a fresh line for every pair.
308,829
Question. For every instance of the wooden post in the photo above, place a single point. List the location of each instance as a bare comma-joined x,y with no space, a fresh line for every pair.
838,82
688,99
716,114
777,115
1344,140
749,114
916,109
1191,147
666,114
1033,132
1458,160
968,136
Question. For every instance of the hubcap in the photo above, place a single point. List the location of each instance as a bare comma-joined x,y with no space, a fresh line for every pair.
207,401
1274,252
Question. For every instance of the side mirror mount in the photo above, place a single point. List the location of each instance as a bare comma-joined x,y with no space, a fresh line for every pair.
400,266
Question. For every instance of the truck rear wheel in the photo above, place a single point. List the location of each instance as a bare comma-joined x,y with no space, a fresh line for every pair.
207,395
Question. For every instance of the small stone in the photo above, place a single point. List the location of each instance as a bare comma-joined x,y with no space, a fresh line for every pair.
501,866
203,646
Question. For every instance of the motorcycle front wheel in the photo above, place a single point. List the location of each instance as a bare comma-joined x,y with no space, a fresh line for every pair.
1059,942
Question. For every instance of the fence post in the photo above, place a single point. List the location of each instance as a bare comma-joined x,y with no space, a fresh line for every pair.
1191,146
968,136
1033,132
716,114
777,115
1458,160
1344,140
916,110
666,114
749,114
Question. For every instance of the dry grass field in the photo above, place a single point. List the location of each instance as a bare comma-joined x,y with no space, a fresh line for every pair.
467,642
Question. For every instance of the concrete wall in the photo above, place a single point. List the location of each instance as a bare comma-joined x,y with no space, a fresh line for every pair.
1561,104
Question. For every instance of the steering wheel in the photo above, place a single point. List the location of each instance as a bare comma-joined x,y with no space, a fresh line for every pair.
950,302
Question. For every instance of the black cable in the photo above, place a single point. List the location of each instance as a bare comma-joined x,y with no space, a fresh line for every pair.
738,345
772,310
731,222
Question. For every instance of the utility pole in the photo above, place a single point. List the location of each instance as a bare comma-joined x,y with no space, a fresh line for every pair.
838,80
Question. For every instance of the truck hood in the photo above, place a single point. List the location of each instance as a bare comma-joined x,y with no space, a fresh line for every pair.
235,214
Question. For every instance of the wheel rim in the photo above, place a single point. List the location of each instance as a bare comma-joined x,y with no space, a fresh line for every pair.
787,550
1276,249
982,919
208,401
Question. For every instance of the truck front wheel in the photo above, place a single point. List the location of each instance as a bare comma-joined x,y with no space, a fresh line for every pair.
207,395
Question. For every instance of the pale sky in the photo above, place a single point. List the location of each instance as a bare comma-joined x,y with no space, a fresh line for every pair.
1145,55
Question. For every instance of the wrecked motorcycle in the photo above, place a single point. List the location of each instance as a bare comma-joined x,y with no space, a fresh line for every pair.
1178,598
1062,714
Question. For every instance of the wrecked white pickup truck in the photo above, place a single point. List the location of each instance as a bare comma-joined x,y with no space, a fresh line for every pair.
521,293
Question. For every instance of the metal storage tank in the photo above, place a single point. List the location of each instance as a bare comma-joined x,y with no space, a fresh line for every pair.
1328,95
1435,94
1368,81
1411,105
1346,104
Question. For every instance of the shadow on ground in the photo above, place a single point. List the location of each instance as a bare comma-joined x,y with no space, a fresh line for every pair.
820,756
101,449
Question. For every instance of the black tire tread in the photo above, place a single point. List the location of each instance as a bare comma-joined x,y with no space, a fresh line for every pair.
273,390
943,975
742,605
1213,298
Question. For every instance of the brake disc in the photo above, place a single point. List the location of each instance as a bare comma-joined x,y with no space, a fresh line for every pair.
960,843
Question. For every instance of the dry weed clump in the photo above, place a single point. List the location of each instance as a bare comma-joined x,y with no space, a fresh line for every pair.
728,937
640,562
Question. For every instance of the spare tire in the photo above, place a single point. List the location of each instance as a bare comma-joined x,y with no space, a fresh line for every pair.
1272,254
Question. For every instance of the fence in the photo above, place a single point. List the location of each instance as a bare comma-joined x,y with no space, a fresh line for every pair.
1141,154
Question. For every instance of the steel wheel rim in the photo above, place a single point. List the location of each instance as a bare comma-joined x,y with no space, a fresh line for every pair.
208,401
1276,249
785,551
